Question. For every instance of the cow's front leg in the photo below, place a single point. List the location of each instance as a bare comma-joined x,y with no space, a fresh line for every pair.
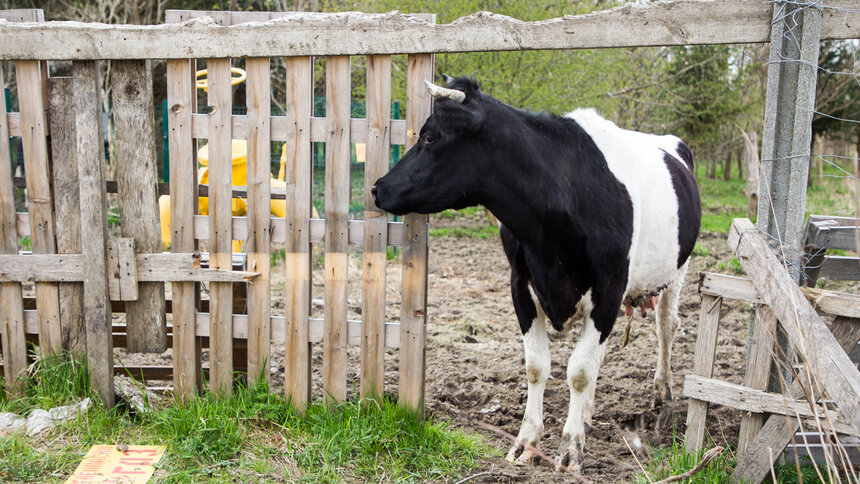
582,371
537,371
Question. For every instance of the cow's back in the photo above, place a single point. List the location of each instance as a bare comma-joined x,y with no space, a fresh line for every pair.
646,164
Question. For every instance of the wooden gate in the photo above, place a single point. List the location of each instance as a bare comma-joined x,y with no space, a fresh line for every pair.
82,275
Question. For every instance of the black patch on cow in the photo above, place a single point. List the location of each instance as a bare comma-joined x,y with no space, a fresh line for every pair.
687,155
689,205
524,305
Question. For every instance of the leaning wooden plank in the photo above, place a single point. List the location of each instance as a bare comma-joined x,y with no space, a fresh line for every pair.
12,319
220,213
413,308
137,177
703,365
183,187
756,401
778,431
825,359
759,358
91,173
39,205
375,227
297,261
337,191
632,25
258,90
67,207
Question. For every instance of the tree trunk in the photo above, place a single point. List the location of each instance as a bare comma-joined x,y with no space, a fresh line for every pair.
740,158
727,166
712,168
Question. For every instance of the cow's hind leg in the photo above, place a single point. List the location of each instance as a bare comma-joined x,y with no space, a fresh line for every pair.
582,371
667,322
537,371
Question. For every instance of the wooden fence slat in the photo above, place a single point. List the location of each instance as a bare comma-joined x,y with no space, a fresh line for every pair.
703,365
633,25
91,171
413,317
183,189
67,207
777,432
258,90
375,227
831,366
220,212
12,320
297,261
337,188
39,205
757,373
137,177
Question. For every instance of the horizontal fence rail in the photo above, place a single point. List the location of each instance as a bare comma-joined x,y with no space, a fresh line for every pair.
686,22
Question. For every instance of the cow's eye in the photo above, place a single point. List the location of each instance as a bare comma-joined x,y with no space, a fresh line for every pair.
428,138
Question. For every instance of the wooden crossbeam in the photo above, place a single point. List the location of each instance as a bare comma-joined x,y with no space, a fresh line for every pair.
351,33
748,399
810,336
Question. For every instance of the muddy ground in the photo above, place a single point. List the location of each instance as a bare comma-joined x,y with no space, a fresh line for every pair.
475,363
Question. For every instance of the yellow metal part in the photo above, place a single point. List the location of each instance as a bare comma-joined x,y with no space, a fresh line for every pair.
204,83
240,177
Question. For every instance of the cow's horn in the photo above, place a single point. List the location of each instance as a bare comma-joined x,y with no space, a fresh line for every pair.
452,94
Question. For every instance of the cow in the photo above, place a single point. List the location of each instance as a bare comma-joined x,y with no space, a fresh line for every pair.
591,216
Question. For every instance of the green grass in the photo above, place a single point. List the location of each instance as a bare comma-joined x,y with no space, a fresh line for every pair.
675,459
254,436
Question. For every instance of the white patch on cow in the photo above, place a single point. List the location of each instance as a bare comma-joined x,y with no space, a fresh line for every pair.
538,362
667,322
637,160
582,369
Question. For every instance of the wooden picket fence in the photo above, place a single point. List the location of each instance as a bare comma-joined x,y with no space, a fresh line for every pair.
82,276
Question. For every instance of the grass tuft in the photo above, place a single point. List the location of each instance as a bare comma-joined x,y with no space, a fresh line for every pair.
675,459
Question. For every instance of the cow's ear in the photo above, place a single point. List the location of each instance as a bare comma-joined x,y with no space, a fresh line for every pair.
453,117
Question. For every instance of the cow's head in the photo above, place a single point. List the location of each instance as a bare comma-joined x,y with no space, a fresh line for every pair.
448,165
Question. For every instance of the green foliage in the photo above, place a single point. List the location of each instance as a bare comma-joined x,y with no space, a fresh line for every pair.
51,382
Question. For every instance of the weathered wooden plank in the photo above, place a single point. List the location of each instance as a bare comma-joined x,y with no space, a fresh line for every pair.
679,23
11,303
240,328
297,261
375,227
316,227
39,205
827,361
23,15
220,226
757,373
160,267
137,177
703,365
183,202
280,130
67,207
413,314
778,431
840,268
337,191
748,399
742,289
122,271
258,91
91,172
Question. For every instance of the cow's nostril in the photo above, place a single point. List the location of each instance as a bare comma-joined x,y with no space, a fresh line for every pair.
373,191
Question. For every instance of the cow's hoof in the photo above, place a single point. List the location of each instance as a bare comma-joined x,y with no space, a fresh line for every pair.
571,452
514,452
528,457
662,394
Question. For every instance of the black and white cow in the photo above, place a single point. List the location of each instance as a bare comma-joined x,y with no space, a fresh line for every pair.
592,216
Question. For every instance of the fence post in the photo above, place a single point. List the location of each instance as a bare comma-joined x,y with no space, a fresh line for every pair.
137,178
413,317
91,178
11,301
